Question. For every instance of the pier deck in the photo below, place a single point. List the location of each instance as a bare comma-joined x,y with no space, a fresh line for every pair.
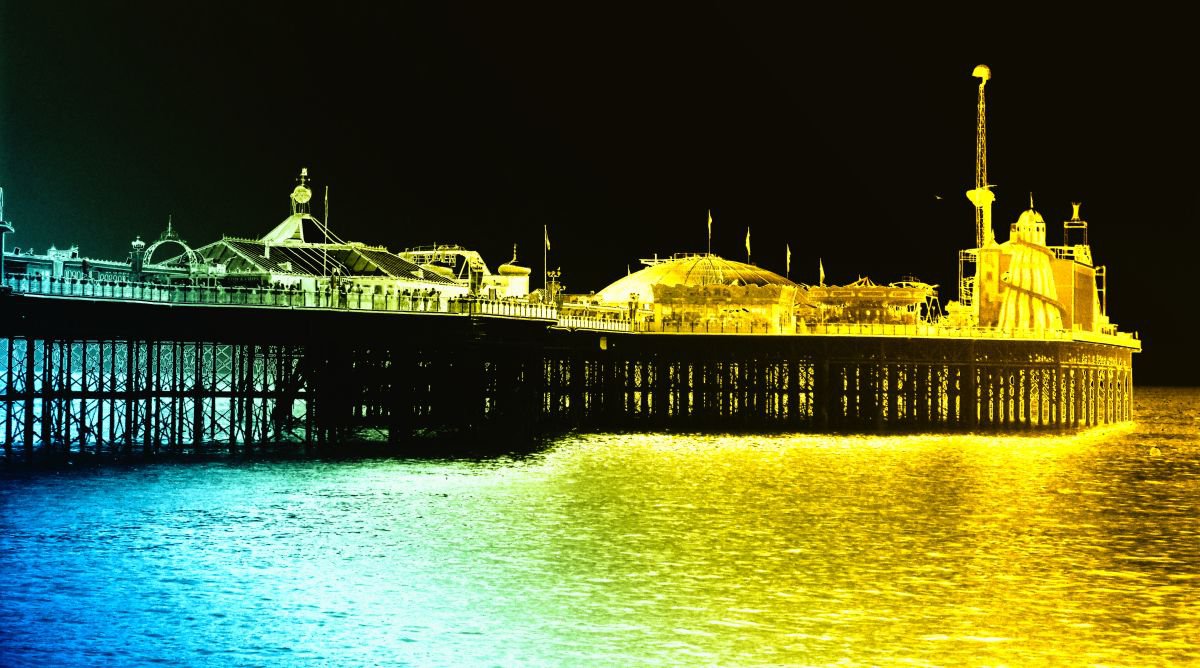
123,378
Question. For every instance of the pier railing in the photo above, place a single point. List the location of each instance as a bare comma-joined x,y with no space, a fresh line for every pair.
421,301
934,330
510,309
602,324
275,297
920,330
927,330
431,301
848,329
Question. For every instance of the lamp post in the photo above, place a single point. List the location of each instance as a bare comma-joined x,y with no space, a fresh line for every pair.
5,228
552,284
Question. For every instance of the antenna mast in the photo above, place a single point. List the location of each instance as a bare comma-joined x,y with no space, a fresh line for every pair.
982,198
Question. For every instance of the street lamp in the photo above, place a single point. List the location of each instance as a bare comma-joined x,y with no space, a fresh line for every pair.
5,228
552,284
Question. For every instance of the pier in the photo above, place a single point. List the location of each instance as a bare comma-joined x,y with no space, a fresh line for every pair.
301,341
129,378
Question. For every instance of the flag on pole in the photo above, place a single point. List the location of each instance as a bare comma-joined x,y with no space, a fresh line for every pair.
546,264
822,267
789,259
747,244
710,231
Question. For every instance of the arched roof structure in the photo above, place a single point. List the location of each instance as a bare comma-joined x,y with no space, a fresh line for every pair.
689,270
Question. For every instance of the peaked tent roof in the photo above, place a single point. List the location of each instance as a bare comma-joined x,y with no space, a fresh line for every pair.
243,255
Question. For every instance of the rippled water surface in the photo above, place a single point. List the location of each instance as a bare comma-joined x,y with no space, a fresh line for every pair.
624,551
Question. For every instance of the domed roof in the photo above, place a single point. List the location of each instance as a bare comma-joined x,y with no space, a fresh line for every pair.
439,269
1029,228
511,268
692,270
1030,218
508,269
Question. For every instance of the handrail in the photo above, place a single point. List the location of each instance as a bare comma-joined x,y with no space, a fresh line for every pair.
602,324
919,330
431,301
268,297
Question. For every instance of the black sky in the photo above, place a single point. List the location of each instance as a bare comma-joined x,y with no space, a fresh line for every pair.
617,126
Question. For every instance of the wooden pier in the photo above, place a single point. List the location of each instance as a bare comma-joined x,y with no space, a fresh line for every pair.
125,379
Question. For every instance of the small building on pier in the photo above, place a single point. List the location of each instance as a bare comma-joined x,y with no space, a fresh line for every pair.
1024,284
303,253
865,302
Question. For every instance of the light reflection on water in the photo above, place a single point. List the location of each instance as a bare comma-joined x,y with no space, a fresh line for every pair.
627,550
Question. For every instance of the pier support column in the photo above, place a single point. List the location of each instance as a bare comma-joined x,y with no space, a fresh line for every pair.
661,404
1056,399
822,394
891,402
1078,404
30,384
953,378
970,400
793,390
924,394
1026,398
400,409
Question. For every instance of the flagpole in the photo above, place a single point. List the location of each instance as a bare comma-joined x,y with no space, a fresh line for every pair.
325,236
545,268
710,232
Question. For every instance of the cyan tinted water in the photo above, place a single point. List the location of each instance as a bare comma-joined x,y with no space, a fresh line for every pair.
627,551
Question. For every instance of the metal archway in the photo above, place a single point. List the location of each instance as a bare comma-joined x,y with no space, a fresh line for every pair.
193,258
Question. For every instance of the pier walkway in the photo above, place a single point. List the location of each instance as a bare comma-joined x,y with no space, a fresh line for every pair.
550,314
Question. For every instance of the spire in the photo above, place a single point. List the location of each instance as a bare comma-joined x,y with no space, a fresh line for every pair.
170,234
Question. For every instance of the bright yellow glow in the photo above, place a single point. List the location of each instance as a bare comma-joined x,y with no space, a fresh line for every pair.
933,550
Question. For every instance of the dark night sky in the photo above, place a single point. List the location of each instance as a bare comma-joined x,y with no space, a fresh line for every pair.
617,126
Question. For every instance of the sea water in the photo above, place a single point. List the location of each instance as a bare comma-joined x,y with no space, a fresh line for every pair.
626,550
